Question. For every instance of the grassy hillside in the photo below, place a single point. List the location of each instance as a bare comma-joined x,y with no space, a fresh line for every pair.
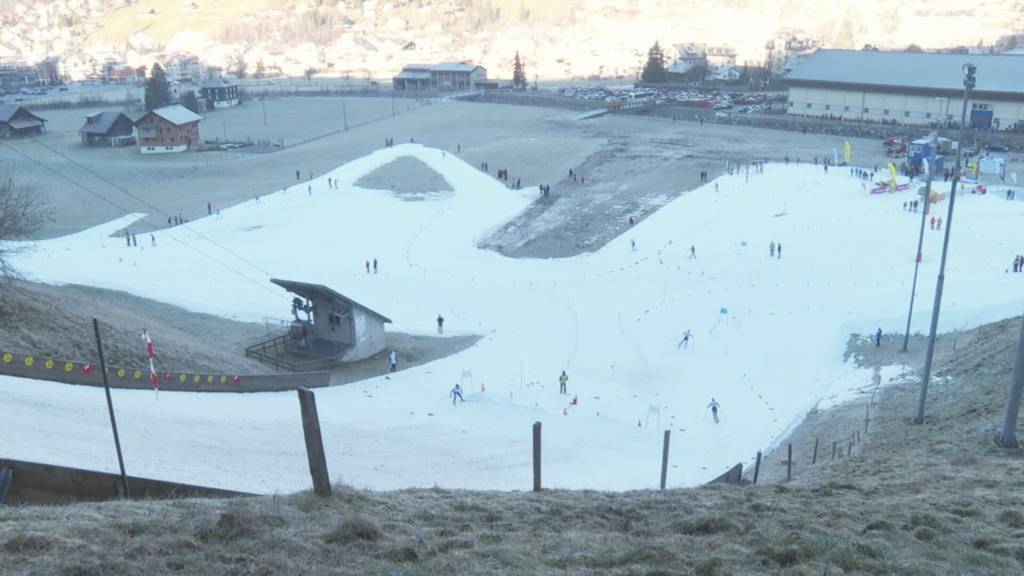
911,500
171,17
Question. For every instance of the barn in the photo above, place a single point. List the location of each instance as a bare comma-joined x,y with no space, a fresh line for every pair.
18,121
107,129
444,76
168,129
908,88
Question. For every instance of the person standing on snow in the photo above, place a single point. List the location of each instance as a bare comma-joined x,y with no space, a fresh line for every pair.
771,249
714,410
393,359
367,266
938,224
685,341
693,252
562,381
931,223
632,244
778,250
374,265
440,324
456,394
878,338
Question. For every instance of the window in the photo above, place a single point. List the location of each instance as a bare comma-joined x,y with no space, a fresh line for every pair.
808,105
846,108
866,110
828,106
791,104
927,114
906,114
885,112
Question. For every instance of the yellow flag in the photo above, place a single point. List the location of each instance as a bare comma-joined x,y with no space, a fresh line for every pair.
847,150
892,175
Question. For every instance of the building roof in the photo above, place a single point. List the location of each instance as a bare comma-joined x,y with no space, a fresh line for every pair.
454,67
8,112
100,122
680,67
315,291
412,75
997,73
217,82
175,114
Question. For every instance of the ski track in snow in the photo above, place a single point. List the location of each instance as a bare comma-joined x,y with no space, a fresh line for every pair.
612,319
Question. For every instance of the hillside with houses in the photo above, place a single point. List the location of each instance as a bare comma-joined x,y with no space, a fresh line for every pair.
114,39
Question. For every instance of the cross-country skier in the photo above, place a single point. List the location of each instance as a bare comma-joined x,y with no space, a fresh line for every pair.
393,359
456,394
685,341
561,382
714,410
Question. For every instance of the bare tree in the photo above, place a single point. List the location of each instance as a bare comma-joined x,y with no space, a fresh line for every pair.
21,214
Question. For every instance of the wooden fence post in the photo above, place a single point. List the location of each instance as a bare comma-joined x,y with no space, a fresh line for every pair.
867,416
757,466
536,456
664,459
789,463
814,459
314,443
833,450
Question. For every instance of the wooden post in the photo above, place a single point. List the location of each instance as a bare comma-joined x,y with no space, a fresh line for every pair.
849,449
664,458
789,463
757,466
867,416
833,450
110,410
536,456
858,436
314,443
814,459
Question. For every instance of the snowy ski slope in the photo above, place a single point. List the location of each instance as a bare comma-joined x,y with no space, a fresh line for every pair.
612,319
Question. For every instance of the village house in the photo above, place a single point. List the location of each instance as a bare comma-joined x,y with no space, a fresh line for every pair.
219,93
107,129
168,129
184,68
18,121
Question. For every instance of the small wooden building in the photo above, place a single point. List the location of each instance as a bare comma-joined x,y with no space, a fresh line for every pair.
329,325
107,129
444,76
219,93
18,121
168,129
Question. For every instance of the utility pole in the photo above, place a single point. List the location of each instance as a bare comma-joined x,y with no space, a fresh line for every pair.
969,80
344,114
264,104
1008,437
930,166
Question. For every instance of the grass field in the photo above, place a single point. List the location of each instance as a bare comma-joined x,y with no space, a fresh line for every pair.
170,17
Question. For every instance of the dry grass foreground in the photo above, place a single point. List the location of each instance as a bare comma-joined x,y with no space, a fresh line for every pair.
914,500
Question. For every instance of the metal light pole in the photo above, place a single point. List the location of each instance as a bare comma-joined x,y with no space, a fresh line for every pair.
920,241
969,70
1008,437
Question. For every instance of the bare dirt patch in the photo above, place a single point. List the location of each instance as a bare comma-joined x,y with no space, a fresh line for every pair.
408,178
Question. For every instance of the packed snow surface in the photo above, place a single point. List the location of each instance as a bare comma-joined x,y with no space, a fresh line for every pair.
768,333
